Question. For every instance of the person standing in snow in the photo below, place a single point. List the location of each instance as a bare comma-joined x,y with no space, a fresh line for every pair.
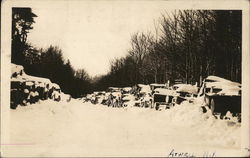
114,101
119,100
110,99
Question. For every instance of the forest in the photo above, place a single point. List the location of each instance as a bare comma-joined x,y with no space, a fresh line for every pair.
186,45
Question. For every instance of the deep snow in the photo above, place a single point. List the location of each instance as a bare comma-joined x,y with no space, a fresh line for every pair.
82,129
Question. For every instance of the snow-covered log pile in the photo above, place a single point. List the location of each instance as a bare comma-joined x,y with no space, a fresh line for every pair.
26,89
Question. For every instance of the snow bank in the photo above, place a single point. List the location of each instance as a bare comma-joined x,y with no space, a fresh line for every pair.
76,129
214,131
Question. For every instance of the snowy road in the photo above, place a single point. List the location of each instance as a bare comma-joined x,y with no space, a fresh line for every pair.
82,129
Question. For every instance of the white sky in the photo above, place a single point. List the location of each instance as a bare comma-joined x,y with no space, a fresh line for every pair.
91,34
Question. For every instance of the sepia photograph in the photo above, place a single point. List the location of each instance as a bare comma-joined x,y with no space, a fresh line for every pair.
125,78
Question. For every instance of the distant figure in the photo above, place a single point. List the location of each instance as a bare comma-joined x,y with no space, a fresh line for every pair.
110,100
168,84
119,101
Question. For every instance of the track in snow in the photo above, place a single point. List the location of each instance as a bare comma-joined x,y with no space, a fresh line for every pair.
82,129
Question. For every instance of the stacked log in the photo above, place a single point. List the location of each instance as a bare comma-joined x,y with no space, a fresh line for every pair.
26,89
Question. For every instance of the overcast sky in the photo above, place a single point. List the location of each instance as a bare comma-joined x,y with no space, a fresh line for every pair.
91,34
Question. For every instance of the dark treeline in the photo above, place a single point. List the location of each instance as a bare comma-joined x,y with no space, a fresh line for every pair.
48,63
187,45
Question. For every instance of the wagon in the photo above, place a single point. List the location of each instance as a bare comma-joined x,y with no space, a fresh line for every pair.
185,92
221,95
163,98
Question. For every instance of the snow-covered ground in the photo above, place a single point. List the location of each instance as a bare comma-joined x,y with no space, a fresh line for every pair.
79,129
